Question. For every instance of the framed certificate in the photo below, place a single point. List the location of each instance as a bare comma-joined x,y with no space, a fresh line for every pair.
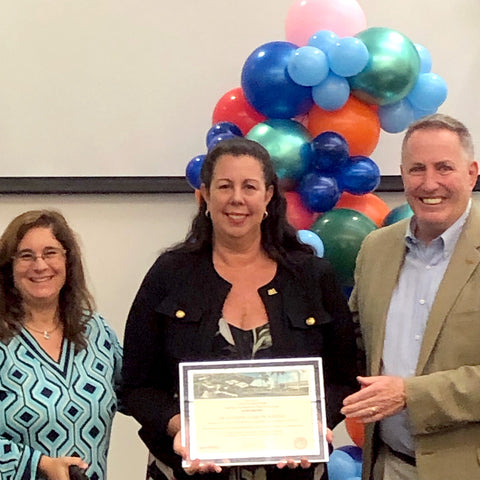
253,412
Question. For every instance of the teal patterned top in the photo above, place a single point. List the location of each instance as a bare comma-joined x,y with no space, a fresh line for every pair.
62,408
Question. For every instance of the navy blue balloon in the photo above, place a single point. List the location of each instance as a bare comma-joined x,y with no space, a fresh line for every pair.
329,152
319,193
192,172
361,175
222,127
214,141
267,85
354,451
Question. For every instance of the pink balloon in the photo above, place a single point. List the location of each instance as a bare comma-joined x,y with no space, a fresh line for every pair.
307,17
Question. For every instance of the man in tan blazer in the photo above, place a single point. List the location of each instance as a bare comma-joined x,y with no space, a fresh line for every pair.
417,300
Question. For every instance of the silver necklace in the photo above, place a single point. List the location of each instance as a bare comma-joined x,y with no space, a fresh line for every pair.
46,333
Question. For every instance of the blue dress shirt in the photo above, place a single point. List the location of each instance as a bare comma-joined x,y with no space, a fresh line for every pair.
421,274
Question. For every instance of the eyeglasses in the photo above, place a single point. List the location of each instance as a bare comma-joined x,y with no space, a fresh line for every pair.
49,255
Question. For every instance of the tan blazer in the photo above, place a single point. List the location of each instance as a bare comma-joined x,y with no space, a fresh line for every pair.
443,398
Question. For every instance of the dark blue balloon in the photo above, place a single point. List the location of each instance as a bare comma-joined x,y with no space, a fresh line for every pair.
354,451
222,127
214,141
329,152
319,193
267,85
347,291
360,175
192,172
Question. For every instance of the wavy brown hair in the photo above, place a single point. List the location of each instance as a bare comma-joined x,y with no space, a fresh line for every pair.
76,304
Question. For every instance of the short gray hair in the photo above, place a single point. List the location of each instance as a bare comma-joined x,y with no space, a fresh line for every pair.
439,121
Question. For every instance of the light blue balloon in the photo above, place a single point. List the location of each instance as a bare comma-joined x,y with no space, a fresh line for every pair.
341,466
348,56
310,238
308,66
323,40
332,93
396,117
425,58
429,92
419,113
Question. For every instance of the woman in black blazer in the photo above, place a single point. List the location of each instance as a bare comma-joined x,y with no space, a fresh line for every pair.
240,286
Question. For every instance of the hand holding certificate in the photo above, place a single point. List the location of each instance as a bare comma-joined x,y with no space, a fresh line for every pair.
253,412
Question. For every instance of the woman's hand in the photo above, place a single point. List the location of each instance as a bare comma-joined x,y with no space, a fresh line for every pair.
173,429
290,463
196,466
57,468
304,462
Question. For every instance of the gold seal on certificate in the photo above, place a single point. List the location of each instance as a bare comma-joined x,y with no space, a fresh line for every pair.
253,412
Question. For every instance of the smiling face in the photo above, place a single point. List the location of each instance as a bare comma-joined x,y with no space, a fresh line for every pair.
438,177
40,281
237,198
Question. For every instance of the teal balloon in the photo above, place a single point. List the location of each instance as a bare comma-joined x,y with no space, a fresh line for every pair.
288,143
392,68
397,214
342,232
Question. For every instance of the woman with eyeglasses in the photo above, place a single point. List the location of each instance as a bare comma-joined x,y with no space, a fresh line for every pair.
59,361
240,287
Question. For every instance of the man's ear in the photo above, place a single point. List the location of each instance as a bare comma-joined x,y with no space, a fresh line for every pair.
473,173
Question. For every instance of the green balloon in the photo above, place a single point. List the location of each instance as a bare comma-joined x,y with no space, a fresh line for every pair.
342,232
287,142
392,69
397,214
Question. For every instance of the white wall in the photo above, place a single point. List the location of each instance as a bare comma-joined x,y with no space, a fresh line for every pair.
121,87
122,235
120,238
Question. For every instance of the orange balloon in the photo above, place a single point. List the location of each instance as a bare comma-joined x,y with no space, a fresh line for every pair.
356,121
356,430
369,204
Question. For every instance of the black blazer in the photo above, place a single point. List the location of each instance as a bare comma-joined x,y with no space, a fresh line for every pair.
175,315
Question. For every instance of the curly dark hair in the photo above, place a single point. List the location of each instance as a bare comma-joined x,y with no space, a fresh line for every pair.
279,238
76,305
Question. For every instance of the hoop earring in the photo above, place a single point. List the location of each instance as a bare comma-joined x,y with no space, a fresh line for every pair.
207,213
265,215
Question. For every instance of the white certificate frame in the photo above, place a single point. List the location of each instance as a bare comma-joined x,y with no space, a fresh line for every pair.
253,412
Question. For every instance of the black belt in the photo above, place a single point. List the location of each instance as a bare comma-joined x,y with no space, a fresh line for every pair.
403,456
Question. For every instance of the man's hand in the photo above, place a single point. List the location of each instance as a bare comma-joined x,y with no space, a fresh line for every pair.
379,397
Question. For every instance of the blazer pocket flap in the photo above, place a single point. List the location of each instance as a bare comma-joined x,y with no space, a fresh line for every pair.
179,310
304,319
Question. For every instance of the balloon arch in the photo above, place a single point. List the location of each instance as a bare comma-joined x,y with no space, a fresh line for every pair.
318,102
